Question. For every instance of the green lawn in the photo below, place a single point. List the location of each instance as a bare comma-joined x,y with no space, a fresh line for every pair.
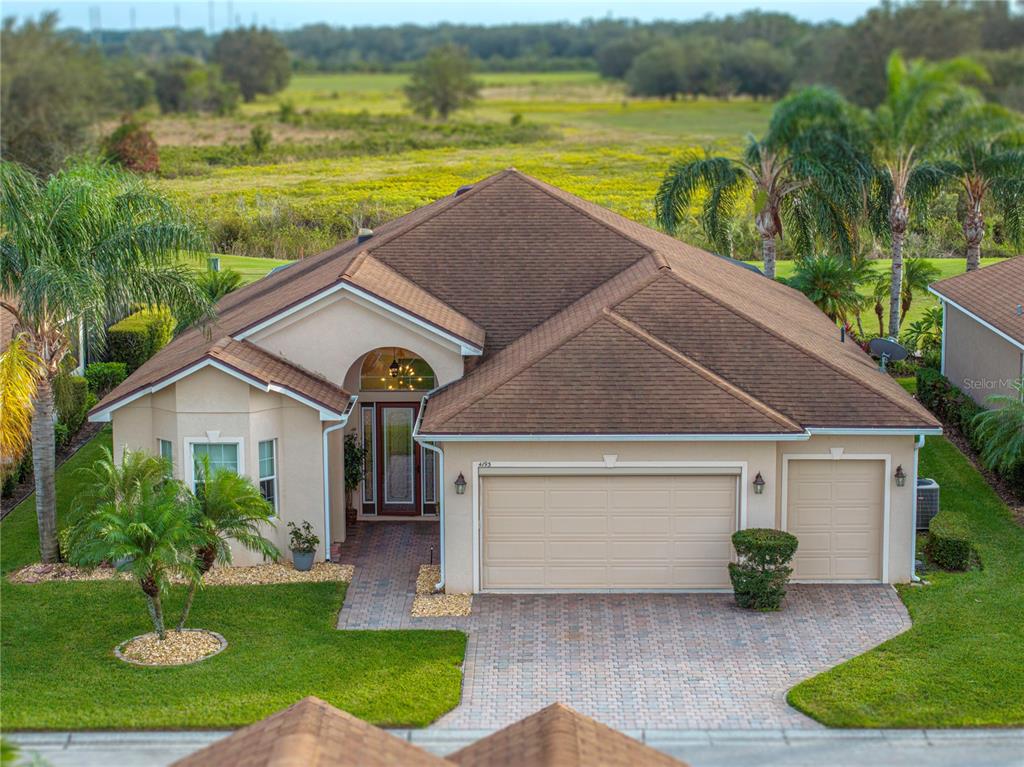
59,671
961,663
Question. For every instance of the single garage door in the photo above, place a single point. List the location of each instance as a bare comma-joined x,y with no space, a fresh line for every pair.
607,531
835,509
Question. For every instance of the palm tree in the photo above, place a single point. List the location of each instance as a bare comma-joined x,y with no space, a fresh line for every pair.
229,506
910,126
87,240
831,283
806,172
148,533
1001,430
918,274
988,162
19,369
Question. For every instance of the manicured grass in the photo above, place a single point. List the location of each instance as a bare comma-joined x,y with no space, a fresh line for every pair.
251,269
910,384
961,663
59,671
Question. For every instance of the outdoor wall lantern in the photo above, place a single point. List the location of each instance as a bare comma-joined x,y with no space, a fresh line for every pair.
901,476
758,484
460,484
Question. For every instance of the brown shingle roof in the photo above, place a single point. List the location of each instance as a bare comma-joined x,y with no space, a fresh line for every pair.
311,733
543,277
557,736
993,293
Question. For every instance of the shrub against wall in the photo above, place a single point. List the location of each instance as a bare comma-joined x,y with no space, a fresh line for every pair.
139,336
760,576
949,542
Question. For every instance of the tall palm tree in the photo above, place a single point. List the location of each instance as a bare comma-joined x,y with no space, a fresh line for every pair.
988,163
831,283
1001,430
229,507
86,240
907,129
805,172
148,533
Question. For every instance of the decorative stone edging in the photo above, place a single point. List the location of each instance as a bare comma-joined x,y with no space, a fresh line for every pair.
120,656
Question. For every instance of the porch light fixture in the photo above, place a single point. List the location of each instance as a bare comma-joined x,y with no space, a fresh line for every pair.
460,484
901,476
758,484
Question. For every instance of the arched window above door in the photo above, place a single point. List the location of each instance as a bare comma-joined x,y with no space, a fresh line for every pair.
395,369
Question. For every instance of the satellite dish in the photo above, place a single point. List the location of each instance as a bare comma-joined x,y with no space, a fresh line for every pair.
885,350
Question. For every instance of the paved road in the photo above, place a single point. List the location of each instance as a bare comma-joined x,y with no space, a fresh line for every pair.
700,748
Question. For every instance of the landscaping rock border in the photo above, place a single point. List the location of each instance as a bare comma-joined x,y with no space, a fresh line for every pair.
430,604
119,651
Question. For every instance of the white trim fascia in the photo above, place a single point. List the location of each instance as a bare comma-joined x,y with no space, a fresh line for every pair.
886,459
945,325
620,468
325,414
868,432
788,437
974,317
465,348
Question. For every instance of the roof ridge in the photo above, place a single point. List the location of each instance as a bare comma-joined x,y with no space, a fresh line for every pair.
709,375
549,191
797,347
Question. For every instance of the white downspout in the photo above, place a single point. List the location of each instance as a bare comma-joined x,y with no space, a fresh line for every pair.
918,444
327,477
440,496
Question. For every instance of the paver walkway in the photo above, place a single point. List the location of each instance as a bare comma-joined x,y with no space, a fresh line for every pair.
632,661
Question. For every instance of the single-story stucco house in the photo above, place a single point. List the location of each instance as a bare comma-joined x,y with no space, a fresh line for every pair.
580,402
983,329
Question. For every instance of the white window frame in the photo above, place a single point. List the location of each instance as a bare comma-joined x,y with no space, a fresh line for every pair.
275,476
190,464
160,442
839,454
370,478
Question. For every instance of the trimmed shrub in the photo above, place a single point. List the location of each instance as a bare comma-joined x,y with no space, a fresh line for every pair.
949,542
760,576
104,376
70,394
139,336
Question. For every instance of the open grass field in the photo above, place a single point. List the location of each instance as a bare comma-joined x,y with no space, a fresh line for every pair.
59,671
960,663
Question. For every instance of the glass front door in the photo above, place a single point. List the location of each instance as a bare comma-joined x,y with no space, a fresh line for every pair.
398,463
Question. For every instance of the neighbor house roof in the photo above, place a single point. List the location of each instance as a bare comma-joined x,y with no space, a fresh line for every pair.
993,294
588,323
311,733
557,736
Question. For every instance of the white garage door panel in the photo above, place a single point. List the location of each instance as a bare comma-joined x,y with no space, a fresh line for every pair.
600,531
835,509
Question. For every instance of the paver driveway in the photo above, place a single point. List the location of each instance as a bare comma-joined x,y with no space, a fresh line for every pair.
674,661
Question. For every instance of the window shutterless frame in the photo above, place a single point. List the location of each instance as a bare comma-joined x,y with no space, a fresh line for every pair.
368,432
268,471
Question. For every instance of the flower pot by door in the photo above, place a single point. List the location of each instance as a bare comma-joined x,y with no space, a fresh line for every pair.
303,560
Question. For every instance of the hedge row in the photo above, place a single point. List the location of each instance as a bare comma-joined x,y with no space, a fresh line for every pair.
139,336
957,409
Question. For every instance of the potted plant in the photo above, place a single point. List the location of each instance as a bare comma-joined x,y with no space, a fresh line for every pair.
303,545
355,471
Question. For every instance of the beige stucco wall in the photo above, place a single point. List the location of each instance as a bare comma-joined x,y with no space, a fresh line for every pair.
762,510
321,338
212,401
977,360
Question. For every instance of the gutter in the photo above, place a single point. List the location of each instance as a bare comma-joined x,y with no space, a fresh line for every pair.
918,444
440,496
327,475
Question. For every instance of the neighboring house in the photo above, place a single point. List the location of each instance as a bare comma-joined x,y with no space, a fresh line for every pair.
983,328
313,733
581,402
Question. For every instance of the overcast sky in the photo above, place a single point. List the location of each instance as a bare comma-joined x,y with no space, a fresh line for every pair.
286,14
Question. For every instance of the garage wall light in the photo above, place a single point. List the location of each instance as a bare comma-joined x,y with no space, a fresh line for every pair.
901,476
460,484
758,484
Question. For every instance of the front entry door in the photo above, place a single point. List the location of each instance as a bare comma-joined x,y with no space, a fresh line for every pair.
398,464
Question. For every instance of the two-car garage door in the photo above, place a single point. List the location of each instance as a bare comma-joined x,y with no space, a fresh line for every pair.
604,531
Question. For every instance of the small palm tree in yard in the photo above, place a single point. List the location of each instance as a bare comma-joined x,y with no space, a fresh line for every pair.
831,283
1001,430
85,242
149,533
806,173
228,507
918,274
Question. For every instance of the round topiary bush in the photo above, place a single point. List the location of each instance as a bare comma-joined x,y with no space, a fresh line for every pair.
760,575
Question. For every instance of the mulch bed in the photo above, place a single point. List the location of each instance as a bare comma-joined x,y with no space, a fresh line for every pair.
258,575
430,604
27,485
178,648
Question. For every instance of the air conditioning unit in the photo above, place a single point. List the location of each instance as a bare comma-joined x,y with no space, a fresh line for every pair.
927,502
